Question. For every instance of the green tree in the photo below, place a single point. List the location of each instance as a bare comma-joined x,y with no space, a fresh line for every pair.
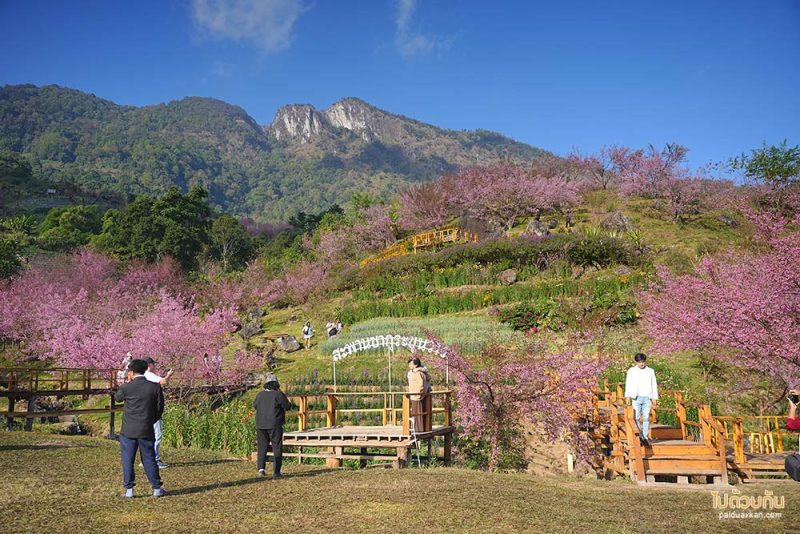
174,225
777,166
230,243
67,228
10,260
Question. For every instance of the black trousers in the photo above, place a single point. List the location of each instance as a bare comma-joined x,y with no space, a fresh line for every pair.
275,437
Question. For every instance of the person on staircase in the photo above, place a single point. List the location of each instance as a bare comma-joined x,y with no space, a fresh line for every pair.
793,421
641,389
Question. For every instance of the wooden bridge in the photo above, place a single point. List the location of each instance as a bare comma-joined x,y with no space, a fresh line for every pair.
28,384
398,439
694,444
429,239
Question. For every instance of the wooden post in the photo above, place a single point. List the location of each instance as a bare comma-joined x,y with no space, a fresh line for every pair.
680,413
703,414
448,448
334,461
738,442
302,421
447,410
10,420
427,409
111,419
363,461
637,463
385,413
406,414
29,417
331,415
778,434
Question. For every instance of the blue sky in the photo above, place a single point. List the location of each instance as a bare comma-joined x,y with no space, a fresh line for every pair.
720,77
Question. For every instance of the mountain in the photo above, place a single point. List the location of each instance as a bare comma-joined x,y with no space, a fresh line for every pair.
306,159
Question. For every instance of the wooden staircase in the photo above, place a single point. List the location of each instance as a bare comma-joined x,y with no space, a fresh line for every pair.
675,453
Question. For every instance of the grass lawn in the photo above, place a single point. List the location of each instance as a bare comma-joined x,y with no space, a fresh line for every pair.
73,484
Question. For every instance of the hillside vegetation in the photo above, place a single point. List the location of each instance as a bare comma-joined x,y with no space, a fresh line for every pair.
75,141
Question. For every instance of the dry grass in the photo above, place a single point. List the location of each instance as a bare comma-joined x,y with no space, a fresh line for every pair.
66,484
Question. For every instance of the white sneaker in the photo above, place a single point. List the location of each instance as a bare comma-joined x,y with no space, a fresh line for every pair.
159,492
128,493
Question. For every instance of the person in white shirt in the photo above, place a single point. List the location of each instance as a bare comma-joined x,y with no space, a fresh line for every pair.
641,389
151,375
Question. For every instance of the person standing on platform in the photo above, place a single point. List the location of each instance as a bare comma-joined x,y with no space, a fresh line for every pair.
418,385
151,375
144,404
641,389
271,406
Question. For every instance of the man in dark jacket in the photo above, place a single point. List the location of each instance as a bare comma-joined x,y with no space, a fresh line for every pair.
144,405
271,406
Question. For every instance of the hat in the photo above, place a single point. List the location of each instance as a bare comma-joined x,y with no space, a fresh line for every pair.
270,378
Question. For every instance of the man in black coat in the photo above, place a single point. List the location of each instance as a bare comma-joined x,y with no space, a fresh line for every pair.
144,405
271,406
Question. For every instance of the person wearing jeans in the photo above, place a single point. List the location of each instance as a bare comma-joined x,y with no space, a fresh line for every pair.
144,405
158,426
641,389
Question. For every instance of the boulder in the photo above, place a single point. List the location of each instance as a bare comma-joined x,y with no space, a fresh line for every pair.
288,343
618,222
508,277
537,228
622,270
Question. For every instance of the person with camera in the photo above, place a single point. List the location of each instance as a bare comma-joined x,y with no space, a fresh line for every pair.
158,426
144,405
793,421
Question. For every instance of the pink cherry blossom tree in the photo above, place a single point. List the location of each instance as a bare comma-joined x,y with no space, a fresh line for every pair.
501,389
743,308
85,310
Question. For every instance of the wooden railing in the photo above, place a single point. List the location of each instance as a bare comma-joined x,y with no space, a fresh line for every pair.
438,237
436,404
422,240
763,433
58,379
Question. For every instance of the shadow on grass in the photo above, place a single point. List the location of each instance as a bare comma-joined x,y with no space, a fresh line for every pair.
246,481
49,446
203,462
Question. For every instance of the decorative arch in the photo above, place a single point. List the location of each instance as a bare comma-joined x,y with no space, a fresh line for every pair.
389,342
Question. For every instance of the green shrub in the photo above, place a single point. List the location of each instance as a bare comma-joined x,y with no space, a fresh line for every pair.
542,313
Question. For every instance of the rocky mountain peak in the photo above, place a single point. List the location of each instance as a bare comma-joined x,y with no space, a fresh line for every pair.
297,122
357,116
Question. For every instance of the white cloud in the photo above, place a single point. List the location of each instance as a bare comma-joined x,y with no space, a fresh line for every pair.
409,42
266,24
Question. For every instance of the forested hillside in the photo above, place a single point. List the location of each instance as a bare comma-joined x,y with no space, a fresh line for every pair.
306,160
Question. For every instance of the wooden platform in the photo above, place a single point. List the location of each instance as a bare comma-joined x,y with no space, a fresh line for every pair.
337,439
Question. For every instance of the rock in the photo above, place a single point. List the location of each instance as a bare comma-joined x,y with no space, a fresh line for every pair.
67,419
552,224
537,228
288,343
256,313
618,222
728,221
508,277
622,270
70,428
